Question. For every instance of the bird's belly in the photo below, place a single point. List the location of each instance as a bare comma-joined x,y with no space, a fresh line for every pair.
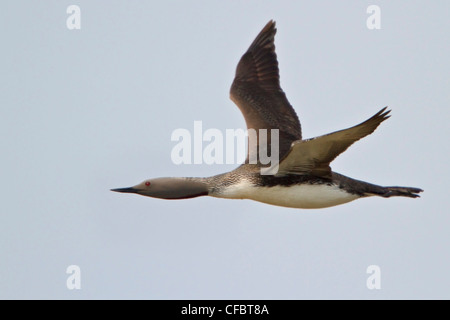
306,196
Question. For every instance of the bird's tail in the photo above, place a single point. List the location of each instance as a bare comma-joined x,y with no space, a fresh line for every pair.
401,192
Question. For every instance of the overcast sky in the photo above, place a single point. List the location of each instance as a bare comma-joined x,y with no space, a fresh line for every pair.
84,111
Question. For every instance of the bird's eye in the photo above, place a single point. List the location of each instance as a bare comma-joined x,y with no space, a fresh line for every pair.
147,183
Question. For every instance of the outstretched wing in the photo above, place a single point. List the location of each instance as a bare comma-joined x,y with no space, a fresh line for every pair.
313,156
256,91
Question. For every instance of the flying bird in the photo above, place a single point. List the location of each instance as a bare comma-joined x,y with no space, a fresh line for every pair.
303,178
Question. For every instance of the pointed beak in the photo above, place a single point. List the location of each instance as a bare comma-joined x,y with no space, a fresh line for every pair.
126,190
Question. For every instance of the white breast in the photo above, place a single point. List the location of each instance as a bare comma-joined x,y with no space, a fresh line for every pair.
306,196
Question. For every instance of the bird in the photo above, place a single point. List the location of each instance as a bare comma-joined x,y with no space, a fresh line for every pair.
303,178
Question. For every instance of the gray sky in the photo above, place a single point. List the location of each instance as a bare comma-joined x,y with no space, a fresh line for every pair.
83,111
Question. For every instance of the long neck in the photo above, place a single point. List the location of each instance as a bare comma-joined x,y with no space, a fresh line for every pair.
184,188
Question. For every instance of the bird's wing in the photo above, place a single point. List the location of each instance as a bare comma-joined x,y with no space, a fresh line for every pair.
313,156
256,91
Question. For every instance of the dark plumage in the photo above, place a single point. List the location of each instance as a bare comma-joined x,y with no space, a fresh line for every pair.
256,91
303,178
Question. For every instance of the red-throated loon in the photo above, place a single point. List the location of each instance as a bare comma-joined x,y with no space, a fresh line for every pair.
304,178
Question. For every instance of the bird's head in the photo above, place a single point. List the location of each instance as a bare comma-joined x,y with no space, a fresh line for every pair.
168,188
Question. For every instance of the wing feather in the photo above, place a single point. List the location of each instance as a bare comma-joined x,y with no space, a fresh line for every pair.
313,156
256,91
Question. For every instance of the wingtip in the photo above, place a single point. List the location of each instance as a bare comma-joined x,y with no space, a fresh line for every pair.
383,114
269,27
385,111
